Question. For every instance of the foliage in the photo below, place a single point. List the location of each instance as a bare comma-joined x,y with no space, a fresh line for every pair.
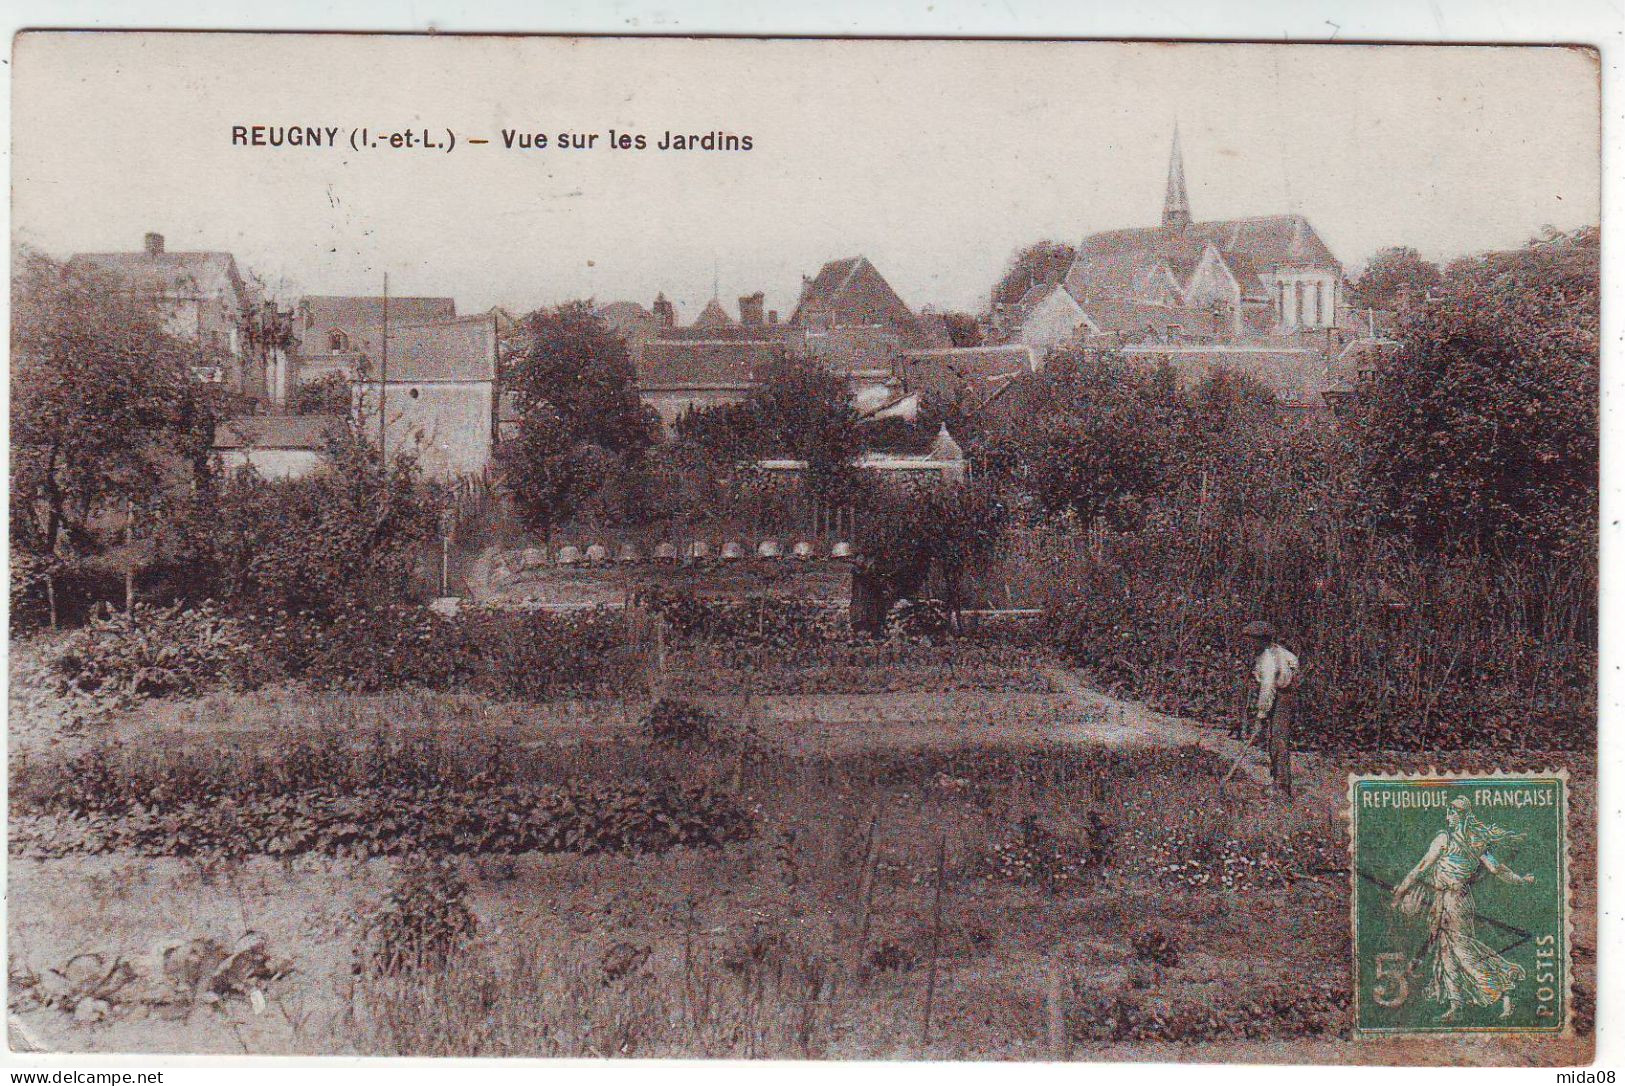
576,391
1035,856
124,657
386,798
1040,262
799,410
1396,278
1277,1011
335,539
672,723
753,621
105,413
1156,946
329,394
509,655
910,533
922,618
1096,436
1483,430
424,919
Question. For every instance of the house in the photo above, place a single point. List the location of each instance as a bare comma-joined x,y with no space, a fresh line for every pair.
850,318
966,378
1222,280
438,392
712,362
276,446
205,298
334,334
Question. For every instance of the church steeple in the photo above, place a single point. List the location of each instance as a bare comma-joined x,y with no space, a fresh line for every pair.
1176,205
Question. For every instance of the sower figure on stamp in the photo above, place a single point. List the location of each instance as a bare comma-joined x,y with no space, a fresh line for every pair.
1274,669
1460,968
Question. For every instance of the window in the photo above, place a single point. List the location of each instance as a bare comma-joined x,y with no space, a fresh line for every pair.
1297,294
1280,302
337,341
413,393
1320,303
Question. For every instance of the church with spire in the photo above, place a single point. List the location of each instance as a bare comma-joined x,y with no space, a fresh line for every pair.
1181,281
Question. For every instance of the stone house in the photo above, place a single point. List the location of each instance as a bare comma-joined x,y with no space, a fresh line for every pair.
437,387
205,298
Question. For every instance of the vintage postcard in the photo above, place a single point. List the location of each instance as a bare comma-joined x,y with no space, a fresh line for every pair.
796,548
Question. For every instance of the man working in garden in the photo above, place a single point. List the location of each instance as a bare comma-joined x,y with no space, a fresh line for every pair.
1274,669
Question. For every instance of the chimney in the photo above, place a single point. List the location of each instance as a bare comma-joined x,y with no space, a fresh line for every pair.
750,310
154,244
772,316
665,314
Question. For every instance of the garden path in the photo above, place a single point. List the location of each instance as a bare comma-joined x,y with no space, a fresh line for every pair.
1118,722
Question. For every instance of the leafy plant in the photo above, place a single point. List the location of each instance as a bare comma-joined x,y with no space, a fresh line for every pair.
424,920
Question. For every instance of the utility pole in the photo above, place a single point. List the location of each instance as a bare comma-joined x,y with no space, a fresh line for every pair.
383,380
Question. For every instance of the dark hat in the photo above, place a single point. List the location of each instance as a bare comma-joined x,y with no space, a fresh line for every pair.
1258,629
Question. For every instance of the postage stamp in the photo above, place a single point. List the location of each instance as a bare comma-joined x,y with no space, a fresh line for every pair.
1460,903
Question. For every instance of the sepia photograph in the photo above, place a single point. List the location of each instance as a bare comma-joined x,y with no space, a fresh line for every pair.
796,548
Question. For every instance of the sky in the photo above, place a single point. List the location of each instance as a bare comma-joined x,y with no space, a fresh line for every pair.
935,159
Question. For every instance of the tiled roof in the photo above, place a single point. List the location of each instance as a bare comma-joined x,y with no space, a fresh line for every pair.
1108,262
713,316
970,376
668,365
461,349
852,291
278,432
169,272
361,318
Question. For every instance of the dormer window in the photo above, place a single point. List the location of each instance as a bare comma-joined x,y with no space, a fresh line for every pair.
337,342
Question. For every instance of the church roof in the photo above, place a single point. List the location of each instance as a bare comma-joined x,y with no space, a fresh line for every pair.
1116,262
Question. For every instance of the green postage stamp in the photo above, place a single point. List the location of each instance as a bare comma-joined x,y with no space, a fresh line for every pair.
1460,903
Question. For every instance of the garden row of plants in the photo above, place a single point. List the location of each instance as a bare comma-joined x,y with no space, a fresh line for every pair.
383,797
120,658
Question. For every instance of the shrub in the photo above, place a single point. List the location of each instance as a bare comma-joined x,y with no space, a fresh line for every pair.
351,535
672,723
425,918
123,657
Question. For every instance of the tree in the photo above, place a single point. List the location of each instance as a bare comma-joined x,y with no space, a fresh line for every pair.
1394,278
105,412
576,391
348,536
1040,262
912,531
1483,429
799,411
